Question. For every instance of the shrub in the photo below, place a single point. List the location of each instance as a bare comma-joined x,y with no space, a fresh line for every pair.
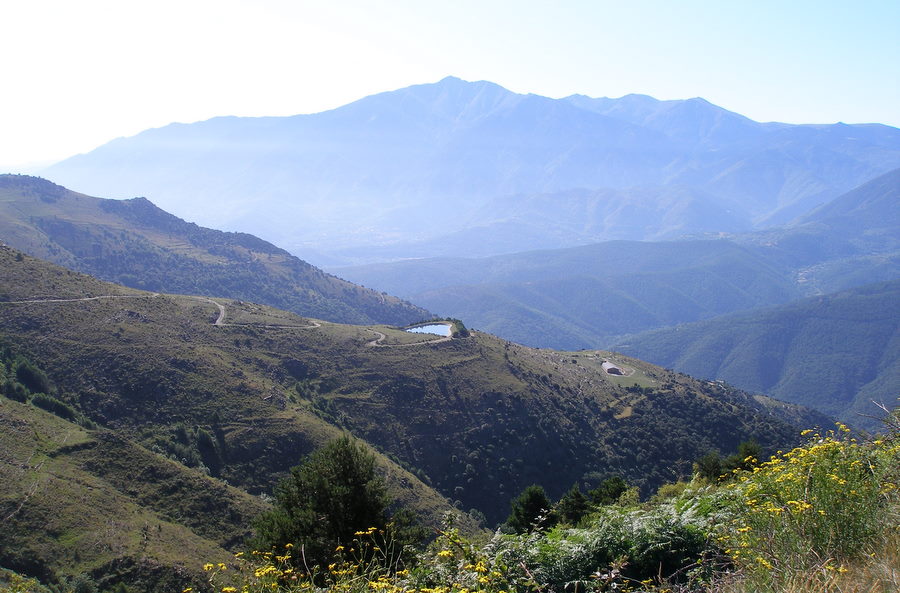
572,506
529,509
636,544
31,377
818,506
15,390
609,491
54,406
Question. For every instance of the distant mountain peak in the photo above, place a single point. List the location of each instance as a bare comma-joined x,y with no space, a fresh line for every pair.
417,162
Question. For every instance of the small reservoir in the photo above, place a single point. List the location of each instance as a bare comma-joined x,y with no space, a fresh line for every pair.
440,329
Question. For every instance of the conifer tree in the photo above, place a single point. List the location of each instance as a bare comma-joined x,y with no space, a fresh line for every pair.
324,502
572,506
531,504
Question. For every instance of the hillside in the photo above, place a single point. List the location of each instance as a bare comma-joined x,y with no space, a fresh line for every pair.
850,241
75,501
872,205
478,418
422,162
582,297
134,243
835,353
161,442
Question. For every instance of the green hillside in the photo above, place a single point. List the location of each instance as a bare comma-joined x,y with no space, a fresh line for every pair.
478,418
132,242
835,353
588,296
75,501
584,296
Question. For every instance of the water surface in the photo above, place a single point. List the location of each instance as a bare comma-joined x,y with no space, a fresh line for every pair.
440,329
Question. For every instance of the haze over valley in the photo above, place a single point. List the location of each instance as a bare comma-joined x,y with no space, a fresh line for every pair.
438,169
285,307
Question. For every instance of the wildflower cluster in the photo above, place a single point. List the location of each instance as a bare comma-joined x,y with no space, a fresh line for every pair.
815,507
456,565
369,563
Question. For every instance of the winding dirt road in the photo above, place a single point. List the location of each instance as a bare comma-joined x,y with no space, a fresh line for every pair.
220,319
377,342
93,298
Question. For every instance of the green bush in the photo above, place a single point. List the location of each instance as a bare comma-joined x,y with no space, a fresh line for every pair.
529,510
54,406
642,543
15,390
31,377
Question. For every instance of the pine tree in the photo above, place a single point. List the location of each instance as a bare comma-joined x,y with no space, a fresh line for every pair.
324,502
572,506
531,504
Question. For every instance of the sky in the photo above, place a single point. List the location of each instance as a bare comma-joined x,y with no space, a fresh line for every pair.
77,74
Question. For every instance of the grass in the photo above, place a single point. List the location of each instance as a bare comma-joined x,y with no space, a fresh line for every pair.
64,512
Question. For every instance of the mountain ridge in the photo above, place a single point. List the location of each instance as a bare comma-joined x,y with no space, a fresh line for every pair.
589,296
136,243
144,363
415,163
835,352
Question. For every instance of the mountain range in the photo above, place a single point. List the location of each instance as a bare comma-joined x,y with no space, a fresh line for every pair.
834,352
583,297
157,377
386,176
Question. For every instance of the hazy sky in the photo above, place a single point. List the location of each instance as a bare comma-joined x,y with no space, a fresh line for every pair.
79,73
